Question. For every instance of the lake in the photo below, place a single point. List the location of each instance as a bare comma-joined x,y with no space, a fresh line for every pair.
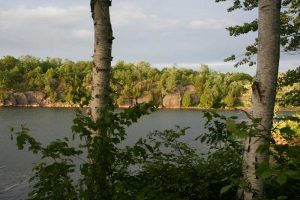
47,124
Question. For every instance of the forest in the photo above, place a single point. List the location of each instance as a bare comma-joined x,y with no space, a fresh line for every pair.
60,80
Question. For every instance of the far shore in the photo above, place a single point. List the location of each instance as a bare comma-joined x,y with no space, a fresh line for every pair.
59,105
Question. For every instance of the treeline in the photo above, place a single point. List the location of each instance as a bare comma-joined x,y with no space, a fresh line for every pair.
61,80
57,78
203,88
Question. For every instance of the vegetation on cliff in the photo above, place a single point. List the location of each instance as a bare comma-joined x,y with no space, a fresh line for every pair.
62,80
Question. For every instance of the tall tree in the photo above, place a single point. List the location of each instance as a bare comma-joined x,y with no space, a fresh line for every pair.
263,90
102,55
99,151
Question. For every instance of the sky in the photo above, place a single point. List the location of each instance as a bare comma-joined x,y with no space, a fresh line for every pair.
161,32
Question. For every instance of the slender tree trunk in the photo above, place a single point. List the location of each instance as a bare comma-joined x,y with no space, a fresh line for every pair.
97,185
102,56
263,90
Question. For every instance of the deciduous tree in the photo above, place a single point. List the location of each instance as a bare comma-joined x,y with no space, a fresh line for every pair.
263,91
102,55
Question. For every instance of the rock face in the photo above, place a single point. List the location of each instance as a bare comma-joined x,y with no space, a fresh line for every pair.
30,98
172,100
192,90
34,98
127,103
144,99
21,99
131,102
10,101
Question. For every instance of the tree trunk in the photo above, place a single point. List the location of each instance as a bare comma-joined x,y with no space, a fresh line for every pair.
263,91
97,184
102,56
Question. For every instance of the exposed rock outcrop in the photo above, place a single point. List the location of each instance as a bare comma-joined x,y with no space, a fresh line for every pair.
30,98
10,101
172,100
144,99
21,99
192,90
126,103
34,98
131,102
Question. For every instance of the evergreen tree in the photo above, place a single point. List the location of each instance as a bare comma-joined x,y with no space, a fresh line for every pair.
230,99
186,99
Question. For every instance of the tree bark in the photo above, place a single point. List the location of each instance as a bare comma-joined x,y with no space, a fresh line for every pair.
98,168
263,91
102,56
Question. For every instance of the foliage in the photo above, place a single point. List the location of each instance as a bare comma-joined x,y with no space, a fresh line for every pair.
290,79
230,99
60,80
51,179
282,175
288,128
161,166
186,99
289,28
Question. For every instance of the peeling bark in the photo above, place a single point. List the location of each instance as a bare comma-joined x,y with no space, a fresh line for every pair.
263,90
102,55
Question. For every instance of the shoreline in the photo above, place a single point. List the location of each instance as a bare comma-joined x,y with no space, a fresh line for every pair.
159,108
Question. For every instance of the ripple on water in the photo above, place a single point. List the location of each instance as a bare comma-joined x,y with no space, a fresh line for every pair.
13,186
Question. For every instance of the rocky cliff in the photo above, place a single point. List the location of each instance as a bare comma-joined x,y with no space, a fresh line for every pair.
30,99
39,99
172,100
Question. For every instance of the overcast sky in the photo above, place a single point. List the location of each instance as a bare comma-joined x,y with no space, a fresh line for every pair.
162,32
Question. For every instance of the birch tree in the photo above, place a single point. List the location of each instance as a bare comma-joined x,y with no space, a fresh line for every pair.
275,27
102,56
263,90
99,151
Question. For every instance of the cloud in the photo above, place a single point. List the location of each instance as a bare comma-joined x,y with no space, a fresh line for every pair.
214,66
159,24
60,17
45,30
127,13
42,29
83,33
209,24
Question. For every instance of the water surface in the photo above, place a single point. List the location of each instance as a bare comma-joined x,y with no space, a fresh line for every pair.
47,124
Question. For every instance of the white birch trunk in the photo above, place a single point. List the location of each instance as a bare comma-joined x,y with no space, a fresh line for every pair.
263,90
102,56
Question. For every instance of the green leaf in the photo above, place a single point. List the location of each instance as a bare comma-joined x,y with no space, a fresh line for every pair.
281,179
287,130
231,126
225,189
266,174
149,147
282,197
291,173
140,196
262,168
244,184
